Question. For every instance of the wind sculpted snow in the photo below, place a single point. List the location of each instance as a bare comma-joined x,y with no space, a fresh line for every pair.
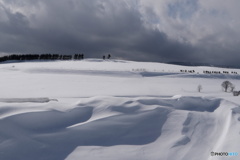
115,109
132,122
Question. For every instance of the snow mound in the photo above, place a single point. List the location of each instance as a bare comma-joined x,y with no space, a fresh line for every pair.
185,103
85,72
25,100
115,109
110,123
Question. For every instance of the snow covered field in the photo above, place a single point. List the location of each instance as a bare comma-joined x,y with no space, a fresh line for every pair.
116,110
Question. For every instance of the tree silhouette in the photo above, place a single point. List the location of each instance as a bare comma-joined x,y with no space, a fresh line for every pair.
227,86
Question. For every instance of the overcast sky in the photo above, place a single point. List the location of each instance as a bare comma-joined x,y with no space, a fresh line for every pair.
204,31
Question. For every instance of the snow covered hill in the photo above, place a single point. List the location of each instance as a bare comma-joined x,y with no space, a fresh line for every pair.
117,110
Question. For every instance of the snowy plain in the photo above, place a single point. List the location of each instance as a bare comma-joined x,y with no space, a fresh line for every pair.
116,110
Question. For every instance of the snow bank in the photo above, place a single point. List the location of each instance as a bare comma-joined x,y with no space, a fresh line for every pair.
102,125
25,100
115,109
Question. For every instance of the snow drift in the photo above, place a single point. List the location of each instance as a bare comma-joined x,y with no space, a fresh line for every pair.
114,110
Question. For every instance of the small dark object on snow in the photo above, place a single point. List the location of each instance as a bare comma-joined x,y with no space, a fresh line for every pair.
236,93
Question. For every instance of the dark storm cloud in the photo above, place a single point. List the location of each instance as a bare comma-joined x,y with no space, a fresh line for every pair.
95,28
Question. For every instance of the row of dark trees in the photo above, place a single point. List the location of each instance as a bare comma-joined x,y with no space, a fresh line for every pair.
219,72
189,71
213,72
25,57
209,72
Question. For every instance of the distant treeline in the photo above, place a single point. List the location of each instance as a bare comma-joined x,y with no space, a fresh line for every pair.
210,72
25,57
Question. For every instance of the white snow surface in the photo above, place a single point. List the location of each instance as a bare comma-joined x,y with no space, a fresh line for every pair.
116,110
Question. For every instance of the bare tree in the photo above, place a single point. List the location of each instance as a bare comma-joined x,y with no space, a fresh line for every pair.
232,88
199,88
227,86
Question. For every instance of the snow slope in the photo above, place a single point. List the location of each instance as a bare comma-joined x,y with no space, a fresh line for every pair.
116,110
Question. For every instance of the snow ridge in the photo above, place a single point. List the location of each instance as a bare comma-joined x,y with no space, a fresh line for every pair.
115,109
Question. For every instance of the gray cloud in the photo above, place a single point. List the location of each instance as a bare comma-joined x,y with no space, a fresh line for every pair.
186,31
